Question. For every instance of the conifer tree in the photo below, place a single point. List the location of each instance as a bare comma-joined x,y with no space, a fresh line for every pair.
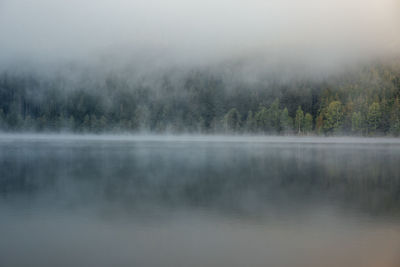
308,123
299,120
286,122
333,117
374,116
356,122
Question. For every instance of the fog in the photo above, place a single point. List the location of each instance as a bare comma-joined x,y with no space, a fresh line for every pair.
310,33
197,86
193,138
199,66
198,201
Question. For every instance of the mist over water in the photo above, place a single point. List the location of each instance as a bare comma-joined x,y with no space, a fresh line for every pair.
186,66
198,201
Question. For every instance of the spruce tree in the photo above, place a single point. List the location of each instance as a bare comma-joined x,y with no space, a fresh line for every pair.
299,120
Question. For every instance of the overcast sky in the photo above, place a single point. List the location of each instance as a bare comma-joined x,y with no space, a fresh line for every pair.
194,30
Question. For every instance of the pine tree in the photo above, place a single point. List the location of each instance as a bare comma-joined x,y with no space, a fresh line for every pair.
102,123
333,117
384,124
86,123
299,120
374,116
94,126
356,122
308,123
250,122
232,120
319,124
286,122
71,123
262,119
274,115
395,118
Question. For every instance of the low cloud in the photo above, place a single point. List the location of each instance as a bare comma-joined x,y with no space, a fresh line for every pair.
314,33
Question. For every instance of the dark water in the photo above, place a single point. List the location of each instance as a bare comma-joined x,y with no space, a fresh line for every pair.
205,201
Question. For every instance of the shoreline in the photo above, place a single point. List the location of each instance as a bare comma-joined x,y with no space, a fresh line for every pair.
209,138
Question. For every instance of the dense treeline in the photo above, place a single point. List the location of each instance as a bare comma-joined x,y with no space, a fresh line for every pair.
365,101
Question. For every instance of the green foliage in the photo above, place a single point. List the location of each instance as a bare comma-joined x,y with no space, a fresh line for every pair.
319,124
374,117
232,120
250,122
28,123
333,117
308,123
362,102
262,119
395,118
299,120
71,123
286,122
356,123
86,122
274,114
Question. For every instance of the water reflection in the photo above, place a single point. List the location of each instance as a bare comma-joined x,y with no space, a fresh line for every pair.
169,203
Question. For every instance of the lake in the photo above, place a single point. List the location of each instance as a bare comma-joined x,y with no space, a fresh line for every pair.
69,200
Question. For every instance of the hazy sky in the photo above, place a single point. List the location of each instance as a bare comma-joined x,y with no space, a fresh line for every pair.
194,30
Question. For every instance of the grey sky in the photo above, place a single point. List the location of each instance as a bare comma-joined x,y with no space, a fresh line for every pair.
206,30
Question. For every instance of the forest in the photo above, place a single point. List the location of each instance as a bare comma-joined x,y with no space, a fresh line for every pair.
362,101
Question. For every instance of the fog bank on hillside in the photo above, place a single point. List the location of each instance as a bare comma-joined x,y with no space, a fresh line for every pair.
311,34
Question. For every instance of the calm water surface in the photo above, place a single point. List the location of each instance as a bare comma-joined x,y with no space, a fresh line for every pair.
199,201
